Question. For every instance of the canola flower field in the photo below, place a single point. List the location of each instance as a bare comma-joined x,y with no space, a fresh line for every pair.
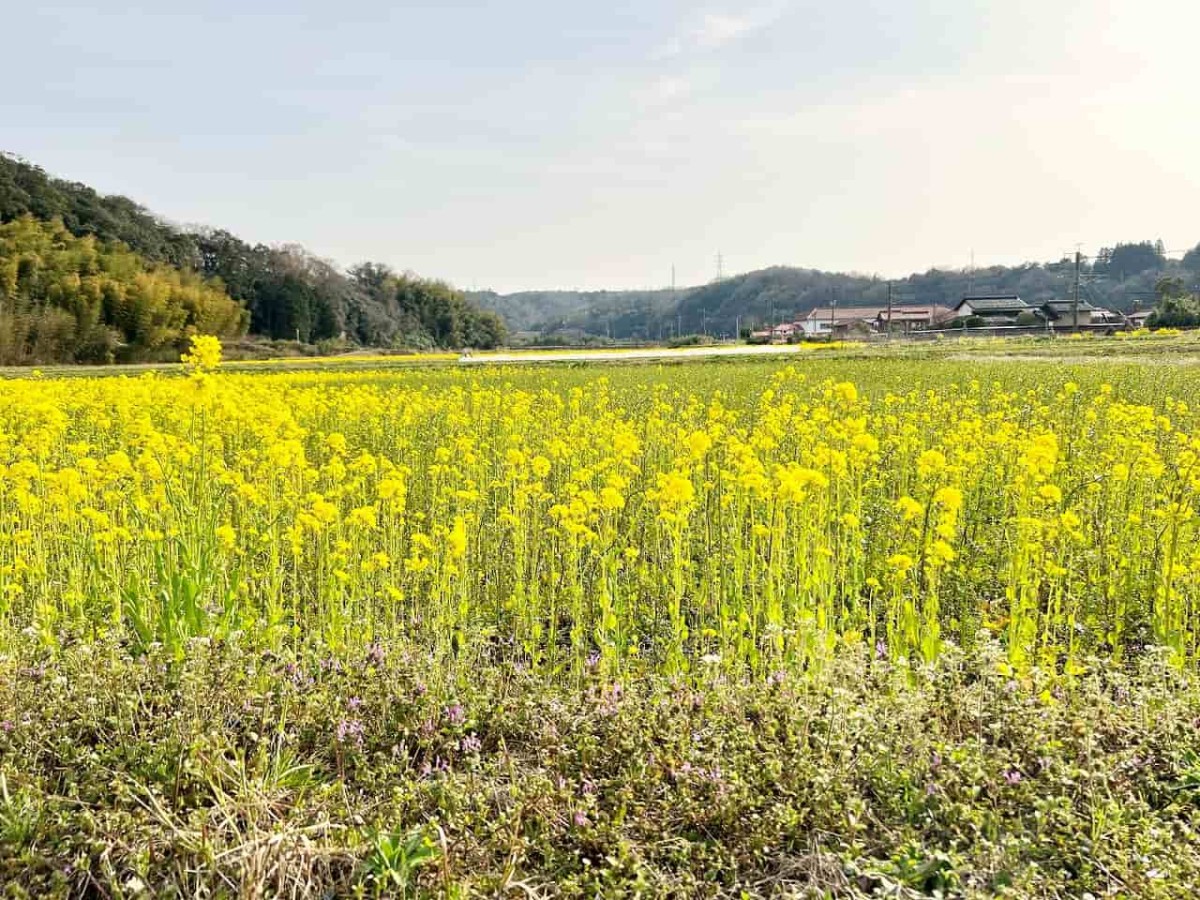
837,627
737,515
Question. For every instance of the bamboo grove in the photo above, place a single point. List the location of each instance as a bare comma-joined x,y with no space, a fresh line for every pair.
750,516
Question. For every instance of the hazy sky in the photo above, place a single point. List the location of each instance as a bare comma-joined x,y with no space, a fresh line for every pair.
542,143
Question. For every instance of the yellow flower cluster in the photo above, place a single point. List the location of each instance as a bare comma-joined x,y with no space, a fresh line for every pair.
204,354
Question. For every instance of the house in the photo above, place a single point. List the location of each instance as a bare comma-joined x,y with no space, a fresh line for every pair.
1102,316
994,309
1138,317
785,331
906,318
1060,313
777,334
839,321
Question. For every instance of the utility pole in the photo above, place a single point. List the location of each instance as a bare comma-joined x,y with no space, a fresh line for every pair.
1079,281
675,302
833,315
720,267
737,328
1075,297
889,310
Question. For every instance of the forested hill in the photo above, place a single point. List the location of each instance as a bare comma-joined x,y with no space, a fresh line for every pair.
76,269
1120,277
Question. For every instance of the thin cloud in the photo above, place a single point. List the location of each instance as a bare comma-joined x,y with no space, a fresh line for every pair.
714,30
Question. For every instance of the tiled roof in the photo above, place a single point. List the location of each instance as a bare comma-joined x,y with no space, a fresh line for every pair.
844,313
858,313
899,313
1064,306
995,303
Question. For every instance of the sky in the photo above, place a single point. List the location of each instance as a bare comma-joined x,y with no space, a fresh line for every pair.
540,144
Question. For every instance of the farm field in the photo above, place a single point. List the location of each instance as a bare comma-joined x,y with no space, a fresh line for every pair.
853,622
1165,346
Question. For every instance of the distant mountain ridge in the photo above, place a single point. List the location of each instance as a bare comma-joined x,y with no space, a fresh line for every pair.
1128,274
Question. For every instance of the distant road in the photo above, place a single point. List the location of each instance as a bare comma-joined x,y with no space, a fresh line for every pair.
540,356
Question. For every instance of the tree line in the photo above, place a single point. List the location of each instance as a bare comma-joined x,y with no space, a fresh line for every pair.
285,292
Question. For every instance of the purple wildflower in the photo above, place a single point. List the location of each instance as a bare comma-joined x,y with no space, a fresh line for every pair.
881,649
610,699
375,654
580,819
354,702
455,714
470,744
350,730
437,767
7,725
297,677
1012,777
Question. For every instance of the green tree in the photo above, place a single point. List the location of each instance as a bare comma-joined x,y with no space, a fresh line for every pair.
1175,307
1191,260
